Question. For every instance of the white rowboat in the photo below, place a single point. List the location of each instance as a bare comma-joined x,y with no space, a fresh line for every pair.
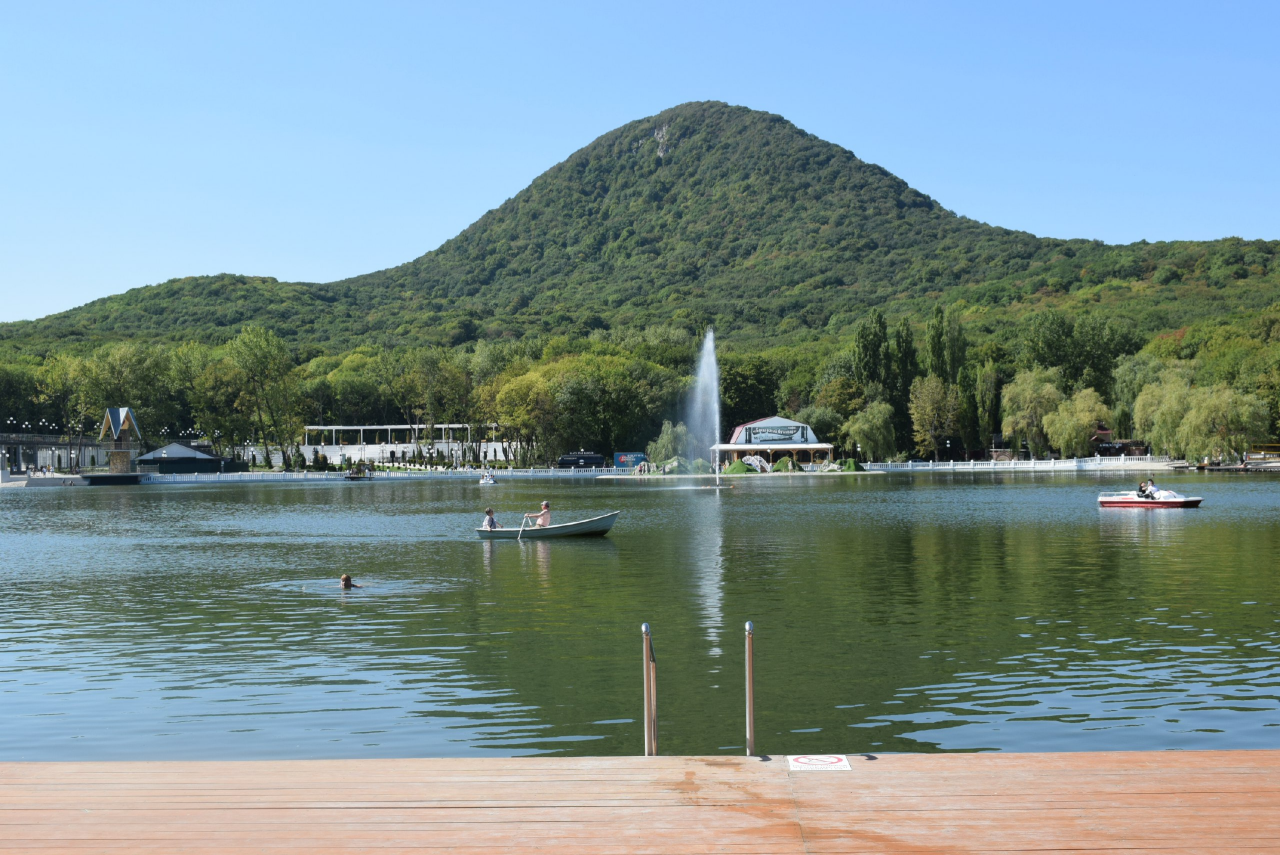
598,526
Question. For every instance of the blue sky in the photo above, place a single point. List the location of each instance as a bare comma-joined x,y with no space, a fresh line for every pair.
315,141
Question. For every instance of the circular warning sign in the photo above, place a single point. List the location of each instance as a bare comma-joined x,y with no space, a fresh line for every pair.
819,761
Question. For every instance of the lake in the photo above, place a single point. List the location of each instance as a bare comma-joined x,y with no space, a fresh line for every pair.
893,613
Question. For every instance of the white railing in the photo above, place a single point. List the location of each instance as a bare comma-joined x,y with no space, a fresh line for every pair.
426,475
1072,464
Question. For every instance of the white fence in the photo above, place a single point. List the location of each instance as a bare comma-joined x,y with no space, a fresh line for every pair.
473,475
1073,464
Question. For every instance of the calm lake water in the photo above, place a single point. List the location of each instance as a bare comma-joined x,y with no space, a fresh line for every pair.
912,613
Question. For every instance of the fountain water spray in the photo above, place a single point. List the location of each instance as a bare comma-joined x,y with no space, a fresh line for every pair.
702,410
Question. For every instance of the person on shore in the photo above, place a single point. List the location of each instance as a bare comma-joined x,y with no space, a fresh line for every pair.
346,583
489,522
542,519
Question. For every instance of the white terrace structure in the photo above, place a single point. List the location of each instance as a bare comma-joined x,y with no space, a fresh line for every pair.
773,439
394,443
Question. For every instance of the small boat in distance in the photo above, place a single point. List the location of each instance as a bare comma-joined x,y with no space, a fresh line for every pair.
1163,499
487,478
597,526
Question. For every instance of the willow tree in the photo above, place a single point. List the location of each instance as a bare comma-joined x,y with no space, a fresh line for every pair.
1221,422
1032,395
1070,427
1159,409
870,431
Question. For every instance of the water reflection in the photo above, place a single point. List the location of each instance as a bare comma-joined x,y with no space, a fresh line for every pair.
892,614
708,564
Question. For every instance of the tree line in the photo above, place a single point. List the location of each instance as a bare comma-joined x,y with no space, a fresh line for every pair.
887,392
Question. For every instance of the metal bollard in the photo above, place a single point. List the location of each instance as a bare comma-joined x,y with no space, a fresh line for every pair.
650,665
751,694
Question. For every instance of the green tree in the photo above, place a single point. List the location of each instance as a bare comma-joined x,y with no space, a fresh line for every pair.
747,388
270,385
904,368
1222,423
217,407
986,392
1027,399
870,352
934,408
136,375
1070,427
1159,410
672,442
872,430
934,356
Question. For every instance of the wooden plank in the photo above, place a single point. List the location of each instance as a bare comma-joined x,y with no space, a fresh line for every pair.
1160,802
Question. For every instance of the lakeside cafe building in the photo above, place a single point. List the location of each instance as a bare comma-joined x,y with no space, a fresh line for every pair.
773,439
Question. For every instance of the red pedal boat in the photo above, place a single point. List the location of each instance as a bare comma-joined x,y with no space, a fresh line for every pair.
1163,499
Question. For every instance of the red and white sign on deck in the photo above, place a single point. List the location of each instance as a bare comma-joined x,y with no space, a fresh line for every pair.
818,762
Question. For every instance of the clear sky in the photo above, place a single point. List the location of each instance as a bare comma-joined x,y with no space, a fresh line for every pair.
315,141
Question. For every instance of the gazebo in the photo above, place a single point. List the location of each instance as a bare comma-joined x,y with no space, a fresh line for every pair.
122,425
772,439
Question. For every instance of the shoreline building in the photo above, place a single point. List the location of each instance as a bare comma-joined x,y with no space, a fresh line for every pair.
121,423
773,439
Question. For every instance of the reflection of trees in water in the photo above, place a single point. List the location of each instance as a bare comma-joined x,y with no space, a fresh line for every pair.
860,599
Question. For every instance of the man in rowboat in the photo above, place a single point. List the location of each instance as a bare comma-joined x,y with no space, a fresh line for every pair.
542,519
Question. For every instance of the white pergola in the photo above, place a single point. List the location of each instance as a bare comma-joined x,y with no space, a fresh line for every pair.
446,432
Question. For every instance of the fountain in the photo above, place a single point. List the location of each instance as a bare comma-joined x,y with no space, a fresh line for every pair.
702,410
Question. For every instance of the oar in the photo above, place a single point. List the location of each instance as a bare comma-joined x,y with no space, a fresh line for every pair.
523,520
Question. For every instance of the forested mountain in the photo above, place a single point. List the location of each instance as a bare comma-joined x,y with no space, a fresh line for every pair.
703,214
571,314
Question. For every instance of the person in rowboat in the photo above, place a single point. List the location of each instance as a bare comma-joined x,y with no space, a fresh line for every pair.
489,522
542,519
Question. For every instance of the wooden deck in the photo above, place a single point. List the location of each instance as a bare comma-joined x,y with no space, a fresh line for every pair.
1165,802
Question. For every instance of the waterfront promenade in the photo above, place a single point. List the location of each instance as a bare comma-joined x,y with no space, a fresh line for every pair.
1152,802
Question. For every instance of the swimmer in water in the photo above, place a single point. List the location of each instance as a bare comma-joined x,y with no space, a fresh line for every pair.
345,582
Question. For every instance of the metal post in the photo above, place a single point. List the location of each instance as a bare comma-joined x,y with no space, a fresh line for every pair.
751,695
650,663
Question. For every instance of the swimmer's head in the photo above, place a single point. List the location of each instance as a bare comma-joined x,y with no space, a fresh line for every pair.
346,581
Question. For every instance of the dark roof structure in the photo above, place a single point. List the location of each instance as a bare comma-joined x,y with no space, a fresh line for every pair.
175,451
119,420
